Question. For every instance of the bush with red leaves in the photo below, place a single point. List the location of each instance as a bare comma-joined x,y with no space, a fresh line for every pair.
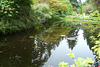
96,2
87,10
75,9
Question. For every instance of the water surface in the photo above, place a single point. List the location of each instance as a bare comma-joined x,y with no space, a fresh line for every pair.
44,48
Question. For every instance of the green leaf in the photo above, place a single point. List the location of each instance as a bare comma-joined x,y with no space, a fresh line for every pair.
5,12
89,60
71,55
10,15
97,42
73,65
79,62
63,64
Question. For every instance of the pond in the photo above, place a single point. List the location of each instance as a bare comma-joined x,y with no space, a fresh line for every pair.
44,48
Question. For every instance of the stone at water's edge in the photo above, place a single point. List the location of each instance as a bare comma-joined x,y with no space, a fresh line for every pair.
62,35
72,38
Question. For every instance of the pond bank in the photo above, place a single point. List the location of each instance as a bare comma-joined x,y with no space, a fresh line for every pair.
81,20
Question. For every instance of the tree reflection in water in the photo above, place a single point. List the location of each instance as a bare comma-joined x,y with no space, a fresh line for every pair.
18,50
72,33
21,51
87,33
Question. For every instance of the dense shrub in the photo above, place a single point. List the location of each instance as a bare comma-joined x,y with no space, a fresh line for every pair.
74,13
75,9
6,8
56,5
96,4
70,9
20,15
95,15
74,3
42,11
15,15
46,2
79,62
88,10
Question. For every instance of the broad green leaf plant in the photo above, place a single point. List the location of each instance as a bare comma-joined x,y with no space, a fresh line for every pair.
95,15
96,48
6,8
80,62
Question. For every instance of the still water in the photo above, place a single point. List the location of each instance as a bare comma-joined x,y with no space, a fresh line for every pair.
43,48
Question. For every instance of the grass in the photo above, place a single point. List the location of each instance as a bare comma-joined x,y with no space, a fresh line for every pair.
77,18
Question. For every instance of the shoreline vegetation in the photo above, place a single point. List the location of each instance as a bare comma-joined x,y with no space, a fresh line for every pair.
19,15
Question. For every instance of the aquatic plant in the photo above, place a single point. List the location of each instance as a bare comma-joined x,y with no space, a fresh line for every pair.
80,62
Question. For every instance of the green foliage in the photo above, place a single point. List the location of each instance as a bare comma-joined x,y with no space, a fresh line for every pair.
71,55
81,9
70,8
96,4
76,17
80,62
95,15
22,2
94,37
74,3
74,13
33,2
86,8
63,64
16,15
10,26
91,27
9,19
42,11
6,8
96,48
72,65
56,5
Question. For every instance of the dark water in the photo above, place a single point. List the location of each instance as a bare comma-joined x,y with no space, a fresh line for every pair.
43,48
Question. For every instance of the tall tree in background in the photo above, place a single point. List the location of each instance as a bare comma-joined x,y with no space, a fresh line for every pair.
74,3
87,1
81,6
96,3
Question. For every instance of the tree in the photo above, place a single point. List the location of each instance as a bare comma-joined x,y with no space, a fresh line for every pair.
15,15
96,3
74,3
56,6
81,6
87,1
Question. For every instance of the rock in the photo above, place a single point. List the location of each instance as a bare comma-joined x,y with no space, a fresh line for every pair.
1,51
62,35
72,38
31,36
